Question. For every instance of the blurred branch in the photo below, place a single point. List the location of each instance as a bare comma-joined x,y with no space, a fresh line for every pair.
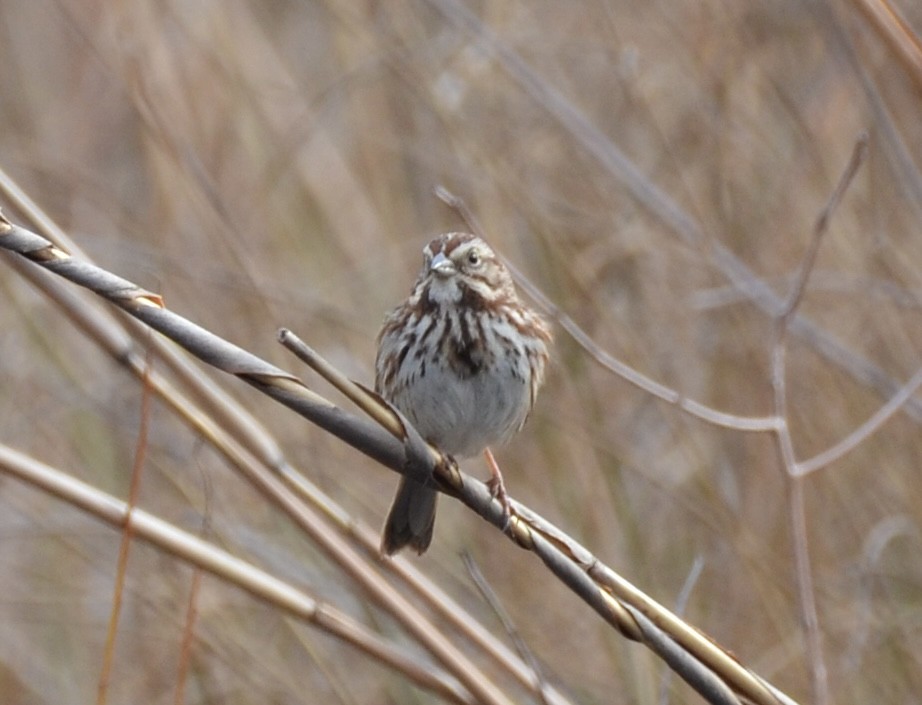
794,480
859,154
881,535
188,638
901,396
865,430
492,599
719,418
606,359
886,131
193,550
662,206
110,332
828,281
124,549
694,657
896,31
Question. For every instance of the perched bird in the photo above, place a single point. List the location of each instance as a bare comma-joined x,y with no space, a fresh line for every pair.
462,358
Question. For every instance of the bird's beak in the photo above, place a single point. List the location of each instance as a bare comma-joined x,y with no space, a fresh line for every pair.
441,265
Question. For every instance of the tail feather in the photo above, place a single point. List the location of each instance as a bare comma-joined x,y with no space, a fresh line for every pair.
411,518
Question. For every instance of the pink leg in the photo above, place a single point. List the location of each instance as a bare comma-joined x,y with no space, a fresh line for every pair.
495,483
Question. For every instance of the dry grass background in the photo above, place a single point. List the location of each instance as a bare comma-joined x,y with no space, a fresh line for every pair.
269,164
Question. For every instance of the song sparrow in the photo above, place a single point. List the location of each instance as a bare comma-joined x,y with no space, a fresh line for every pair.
462,358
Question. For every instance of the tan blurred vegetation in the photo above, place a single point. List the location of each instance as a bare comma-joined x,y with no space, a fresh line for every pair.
270,164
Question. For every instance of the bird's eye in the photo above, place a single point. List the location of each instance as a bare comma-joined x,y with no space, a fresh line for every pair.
473,258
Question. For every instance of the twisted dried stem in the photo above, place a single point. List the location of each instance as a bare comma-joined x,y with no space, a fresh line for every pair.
695,658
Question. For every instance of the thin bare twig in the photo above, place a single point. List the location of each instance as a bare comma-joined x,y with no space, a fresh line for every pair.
113,329
859,154
608,361
367,401
860,434
140,455
665,209
191,618
527,655
794,481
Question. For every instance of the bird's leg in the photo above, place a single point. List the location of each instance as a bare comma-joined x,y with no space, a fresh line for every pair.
495,483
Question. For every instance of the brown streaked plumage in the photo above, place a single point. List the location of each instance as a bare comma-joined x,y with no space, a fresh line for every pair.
462,358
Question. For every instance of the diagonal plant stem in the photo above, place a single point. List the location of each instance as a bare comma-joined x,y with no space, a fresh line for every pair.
253,452
869,427
374,406
859,154
361,434
219,403
897,32
226,567
492,599
695,658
